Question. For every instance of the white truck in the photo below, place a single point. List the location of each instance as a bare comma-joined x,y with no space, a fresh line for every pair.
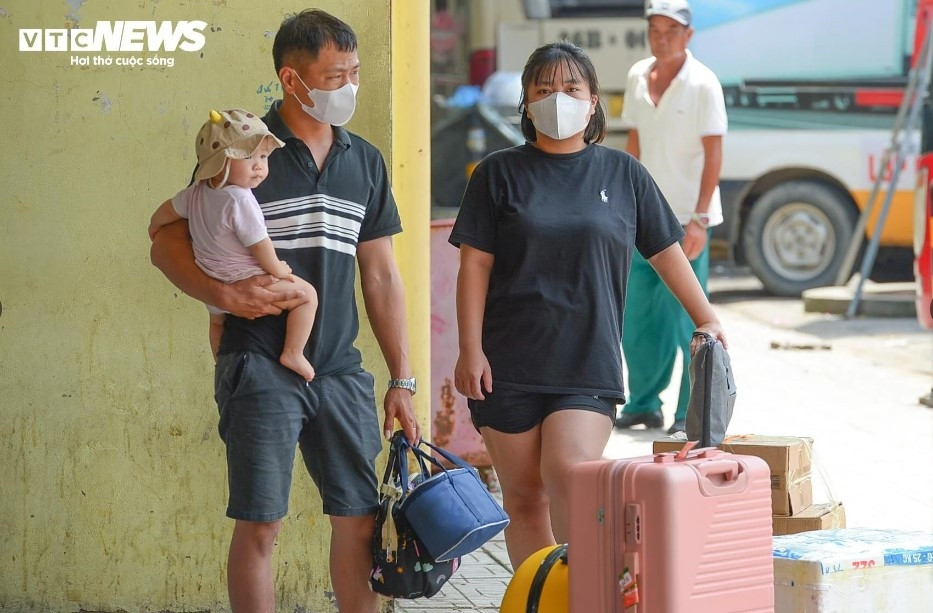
813,85
822,54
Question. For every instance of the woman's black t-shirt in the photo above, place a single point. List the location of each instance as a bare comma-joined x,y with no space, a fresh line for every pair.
562,228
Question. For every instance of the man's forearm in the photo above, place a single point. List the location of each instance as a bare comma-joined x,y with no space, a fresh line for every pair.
171,253
712,168
708,183
384,299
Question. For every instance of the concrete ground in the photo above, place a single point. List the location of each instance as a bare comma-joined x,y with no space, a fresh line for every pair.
852,385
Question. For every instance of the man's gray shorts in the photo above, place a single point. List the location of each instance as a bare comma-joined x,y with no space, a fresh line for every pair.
265,409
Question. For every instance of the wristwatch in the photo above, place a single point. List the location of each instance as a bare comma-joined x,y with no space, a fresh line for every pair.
405,384
700,219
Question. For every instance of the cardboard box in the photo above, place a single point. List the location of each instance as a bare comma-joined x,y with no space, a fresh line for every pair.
824,516
853,570
790,498
788,457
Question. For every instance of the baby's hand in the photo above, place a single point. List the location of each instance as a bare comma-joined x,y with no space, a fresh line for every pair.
282,270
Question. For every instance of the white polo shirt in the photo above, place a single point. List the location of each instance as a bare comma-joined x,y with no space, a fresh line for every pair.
669,134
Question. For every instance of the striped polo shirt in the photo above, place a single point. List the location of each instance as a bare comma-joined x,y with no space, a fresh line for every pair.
316,218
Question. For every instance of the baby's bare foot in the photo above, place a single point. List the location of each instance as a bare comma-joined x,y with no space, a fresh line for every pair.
296,361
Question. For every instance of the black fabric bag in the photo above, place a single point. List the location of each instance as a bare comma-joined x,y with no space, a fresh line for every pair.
712,393
402,567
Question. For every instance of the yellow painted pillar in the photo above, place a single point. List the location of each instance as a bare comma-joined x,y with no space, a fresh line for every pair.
113,484
411,181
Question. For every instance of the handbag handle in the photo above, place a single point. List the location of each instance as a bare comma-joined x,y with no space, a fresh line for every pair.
391,462
443,452
397,465
400,446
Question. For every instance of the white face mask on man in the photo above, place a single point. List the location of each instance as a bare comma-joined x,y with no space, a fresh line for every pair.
560,116
334,106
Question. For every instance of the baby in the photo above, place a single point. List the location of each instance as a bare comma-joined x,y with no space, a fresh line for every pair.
227,228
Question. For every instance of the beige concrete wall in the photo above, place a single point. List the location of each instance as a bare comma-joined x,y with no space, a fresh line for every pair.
112,477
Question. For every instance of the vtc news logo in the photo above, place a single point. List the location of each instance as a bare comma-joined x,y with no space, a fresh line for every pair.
120,36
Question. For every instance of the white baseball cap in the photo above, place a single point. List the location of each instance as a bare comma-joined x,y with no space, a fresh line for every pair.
678,10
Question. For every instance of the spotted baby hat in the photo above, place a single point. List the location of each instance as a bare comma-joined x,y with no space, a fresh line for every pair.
228,134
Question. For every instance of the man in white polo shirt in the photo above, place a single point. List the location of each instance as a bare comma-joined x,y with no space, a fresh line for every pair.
674,106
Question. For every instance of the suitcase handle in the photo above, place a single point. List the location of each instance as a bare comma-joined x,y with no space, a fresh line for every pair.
727,470
721,477
690,451
682,454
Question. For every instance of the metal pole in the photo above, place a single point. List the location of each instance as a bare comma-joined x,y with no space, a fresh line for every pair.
869,260
845,270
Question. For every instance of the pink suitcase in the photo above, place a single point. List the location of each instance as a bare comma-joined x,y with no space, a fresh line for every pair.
675,532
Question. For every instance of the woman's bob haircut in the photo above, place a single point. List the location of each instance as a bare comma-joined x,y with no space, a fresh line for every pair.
540,68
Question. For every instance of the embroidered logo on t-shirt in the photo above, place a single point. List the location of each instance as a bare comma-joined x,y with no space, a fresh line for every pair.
603,196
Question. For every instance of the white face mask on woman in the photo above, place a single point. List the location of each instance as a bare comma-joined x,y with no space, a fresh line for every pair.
560,116
334,107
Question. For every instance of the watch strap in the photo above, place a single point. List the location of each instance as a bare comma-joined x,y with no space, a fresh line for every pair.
405,384
700,219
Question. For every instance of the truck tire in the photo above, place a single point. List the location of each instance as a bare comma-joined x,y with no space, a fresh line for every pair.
796,236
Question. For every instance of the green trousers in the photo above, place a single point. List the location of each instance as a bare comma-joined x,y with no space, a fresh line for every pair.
655,328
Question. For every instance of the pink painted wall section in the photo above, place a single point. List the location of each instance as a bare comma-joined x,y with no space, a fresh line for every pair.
451,425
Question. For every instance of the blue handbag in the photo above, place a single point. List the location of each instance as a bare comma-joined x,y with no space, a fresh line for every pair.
451,512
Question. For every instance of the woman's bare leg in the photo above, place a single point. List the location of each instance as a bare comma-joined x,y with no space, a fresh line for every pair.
517,460
571,436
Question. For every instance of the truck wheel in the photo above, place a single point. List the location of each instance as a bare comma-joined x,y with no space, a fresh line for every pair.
796,236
